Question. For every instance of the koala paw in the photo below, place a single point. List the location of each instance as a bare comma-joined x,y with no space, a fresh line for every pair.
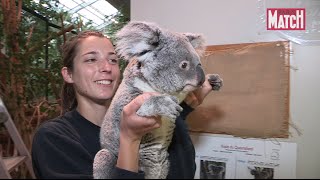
163,105
215,81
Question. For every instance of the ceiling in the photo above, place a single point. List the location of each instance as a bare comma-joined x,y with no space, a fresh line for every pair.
96,10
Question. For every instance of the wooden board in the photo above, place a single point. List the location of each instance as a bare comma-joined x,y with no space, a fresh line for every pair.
254,99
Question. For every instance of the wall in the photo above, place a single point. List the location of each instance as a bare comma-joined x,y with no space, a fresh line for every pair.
231,21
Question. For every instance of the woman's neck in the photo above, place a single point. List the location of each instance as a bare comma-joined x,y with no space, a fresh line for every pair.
93,112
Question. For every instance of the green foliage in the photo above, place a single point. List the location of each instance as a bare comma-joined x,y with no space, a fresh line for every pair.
117,20
35,74
40,67
42,74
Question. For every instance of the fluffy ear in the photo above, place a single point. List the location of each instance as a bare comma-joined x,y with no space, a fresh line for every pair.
137,39
197,41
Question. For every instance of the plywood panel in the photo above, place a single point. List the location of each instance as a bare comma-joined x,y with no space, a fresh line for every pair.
254,99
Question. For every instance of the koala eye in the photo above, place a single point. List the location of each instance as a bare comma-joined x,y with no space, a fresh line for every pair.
184,65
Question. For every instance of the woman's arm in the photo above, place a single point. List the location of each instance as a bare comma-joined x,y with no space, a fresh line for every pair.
132,128
56,155
196,97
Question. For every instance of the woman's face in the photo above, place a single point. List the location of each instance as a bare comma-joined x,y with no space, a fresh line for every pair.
96,70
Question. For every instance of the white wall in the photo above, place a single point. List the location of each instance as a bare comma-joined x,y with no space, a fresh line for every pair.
234,21
305,109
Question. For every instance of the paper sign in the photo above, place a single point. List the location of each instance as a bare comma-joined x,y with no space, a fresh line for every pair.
236,158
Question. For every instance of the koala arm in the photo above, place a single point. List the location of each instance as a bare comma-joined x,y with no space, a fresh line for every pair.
161,105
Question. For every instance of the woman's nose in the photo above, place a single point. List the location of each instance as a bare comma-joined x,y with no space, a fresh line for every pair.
105,66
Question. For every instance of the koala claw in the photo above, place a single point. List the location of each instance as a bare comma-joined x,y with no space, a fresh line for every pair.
163,105
215,81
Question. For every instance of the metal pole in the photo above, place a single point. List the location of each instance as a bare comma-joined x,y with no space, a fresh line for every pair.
47,59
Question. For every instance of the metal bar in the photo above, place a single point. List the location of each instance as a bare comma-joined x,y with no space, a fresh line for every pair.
81,6
43,18
47,59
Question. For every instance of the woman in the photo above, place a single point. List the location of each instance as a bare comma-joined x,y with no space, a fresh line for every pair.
66,146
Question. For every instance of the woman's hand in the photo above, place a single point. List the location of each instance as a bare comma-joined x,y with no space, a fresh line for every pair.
132,128
196,97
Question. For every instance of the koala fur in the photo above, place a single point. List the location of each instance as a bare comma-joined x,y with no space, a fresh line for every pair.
159,61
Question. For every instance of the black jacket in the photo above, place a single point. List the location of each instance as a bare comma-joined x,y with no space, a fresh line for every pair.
66,146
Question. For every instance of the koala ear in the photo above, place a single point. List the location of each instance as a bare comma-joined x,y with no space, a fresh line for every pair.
197,41
137,39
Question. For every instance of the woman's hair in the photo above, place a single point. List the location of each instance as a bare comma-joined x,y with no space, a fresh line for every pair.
69,52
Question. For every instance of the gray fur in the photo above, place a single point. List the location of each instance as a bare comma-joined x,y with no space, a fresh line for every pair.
159,61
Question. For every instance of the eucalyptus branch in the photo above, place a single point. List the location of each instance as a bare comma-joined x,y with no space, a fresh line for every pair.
29,36
62,25
37,112
19,12
38,46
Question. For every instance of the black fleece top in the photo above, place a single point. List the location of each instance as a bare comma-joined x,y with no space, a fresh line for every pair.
65,147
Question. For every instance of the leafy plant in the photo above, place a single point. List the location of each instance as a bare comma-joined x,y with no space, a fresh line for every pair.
117,20
30,60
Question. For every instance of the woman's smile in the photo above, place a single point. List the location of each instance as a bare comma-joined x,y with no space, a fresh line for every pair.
104,82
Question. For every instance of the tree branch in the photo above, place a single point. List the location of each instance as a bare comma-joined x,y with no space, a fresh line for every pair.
38,46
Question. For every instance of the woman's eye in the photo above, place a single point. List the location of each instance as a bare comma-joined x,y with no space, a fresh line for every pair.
91,60
113,61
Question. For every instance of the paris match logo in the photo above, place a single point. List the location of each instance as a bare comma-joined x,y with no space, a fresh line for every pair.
286,19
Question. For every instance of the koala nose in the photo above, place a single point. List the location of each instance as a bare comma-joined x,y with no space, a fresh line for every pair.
201,75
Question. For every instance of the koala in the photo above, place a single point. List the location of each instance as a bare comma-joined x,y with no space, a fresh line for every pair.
159,61
261,172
